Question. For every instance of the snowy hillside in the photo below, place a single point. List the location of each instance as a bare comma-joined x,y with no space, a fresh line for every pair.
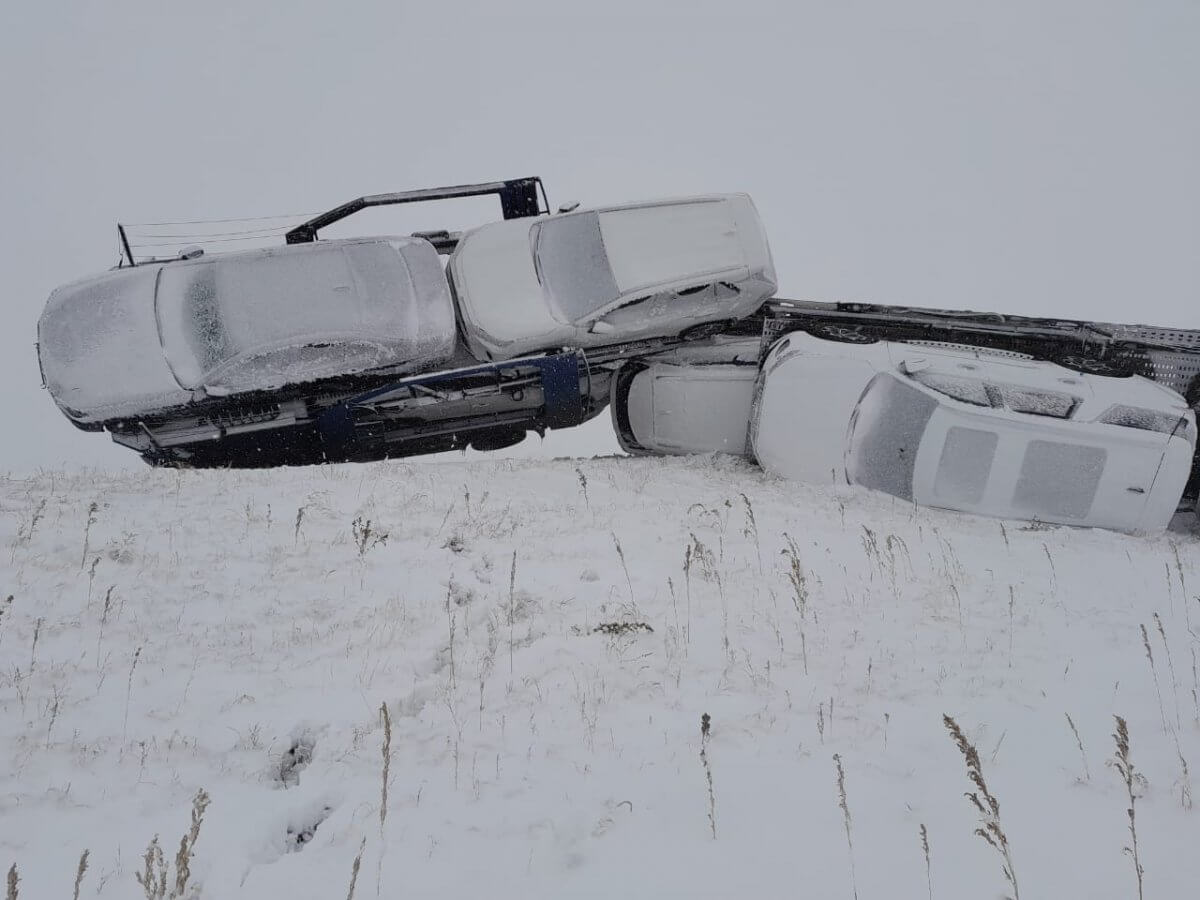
546,637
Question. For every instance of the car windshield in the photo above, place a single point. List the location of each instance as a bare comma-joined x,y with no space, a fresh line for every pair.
572,265
885,431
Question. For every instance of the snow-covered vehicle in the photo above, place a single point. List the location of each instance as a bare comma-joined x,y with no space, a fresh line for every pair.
973,429
609,276
337,350
690,399
152,340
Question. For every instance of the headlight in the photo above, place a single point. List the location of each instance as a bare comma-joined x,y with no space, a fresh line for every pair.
1145,420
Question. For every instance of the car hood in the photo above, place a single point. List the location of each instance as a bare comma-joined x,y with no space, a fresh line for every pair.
99,348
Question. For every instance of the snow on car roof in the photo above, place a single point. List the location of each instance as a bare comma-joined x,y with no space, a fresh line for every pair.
137,341
587,259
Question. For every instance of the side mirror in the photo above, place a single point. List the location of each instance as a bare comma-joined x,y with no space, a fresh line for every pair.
569,206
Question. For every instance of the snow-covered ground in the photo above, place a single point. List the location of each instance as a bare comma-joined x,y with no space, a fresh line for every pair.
239,632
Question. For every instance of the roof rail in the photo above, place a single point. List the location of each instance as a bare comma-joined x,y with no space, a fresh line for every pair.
519,197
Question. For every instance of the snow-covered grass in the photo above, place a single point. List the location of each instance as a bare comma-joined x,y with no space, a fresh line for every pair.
545,638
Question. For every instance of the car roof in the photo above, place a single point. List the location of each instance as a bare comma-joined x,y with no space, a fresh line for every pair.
138,340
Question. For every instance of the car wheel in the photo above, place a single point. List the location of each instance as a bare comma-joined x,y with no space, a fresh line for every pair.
846,334
497,439
1095,365
1192,393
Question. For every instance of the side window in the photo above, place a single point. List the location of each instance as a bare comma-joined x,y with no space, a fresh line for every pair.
1059,479
885,433
572,265
965,465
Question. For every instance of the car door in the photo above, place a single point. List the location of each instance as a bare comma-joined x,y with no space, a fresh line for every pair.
702,408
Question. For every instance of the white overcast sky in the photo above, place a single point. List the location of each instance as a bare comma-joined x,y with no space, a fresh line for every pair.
1029,156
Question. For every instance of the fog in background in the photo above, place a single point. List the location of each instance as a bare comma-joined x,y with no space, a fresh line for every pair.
1029,157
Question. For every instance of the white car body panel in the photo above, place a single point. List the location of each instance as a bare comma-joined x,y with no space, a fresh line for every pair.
525,285
816,399
693,399
142,340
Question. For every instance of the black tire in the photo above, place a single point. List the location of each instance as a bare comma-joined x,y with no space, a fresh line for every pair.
1086,364
844,334
1192,394
497,439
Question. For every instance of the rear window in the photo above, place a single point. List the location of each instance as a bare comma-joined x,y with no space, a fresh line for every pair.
885,431
572,264
1059,479
965,465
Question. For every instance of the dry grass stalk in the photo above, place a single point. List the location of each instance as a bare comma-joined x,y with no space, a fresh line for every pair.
1154,671
187,844
37,633
988,807
1087,775
153,877
1011,603
583,487
1195,686
91,579
137,654
383,788
1182,585
452,627
687,583
1170,668
674,602
366,535
925,848
25,532
799,582
93,507
796,577
705,726
79,872
512,583
751,530
387,764
841,786
1124,766
354,869
1053,573
299,524
1185,779
13,878
621,555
